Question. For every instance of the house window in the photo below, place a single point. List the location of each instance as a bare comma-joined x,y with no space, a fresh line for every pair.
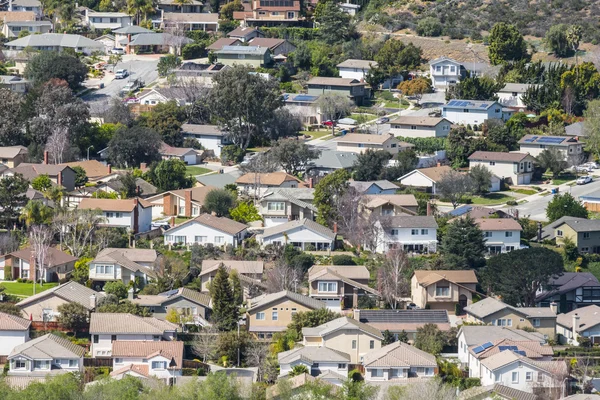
424,231
290,15
39,364
394,232
428,371
559,232
504,322
536,322
260,316
497,110
341,366
492,163
529,376
110,215
179,239
354,344
113,338
73,363
540,377
200,239
452,68
414,232
466,110
274,316
586,235
376,373
438,68
275,206
118,215
515,377
20,364
487,234
159,365
241,56
194,210
328,287
442,290
219,239
113,20
371,344
95,338
413,127
497,377
118,361
508,234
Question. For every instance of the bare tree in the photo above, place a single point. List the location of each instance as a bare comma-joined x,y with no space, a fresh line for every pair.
375,230
283,277
76,228
58,144
257,355
40,237
352,219
205,343
454,186
262,163
392,282
175,37
333,106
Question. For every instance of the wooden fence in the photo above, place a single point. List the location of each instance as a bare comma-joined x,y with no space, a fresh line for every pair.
194,364
97,362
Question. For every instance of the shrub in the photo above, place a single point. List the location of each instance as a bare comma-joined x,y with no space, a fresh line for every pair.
511,203
232,153
193,50
8,273
355,375
342,259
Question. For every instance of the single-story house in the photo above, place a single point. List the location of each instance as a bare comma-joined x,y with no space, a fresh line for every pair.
254,56
302,233
193,307
358,143
55,42
352,88
425,178
211,137
277,46
207,229
57,265
188,155
398,361
580,323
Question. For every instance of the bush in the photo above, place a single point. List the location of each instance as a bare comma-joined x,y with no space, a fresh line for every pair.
193,50
7,273
429,26
189,372
511,203
342,259
355,375
232,153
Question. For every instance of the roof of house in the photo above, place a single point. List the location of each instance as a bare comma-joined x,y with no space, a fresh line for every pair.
48,346
428,277
9,16
167,150
517,87
304,223
222,224
139,369
266,299
360,64
155,39
132,30
242,267
470,104
398,354
198,193
219,43
29,23
312,354
548,140
197,129
219,180
349,271
413,221
9,322
433,173
129,258
242,31
364,138
269,178
12,151
321,80
567,282
510,393
93,169
589,316
582,224
119,323
342,323
548,231
72,292
31,171
418,121
363,186
575,129
400,200
54,258
191,17
27,3
172,350
508,357
443,58
334,159
408,320
55,39
295,196
271,43
203,299
531,348
498,156
248,50
107,14
146,188
490,305
476,334
498,224
119,205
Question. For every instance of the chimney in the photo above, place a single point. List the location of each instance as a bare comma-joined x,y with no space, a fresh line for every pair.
46,157
128,48
187,195
136,215
130,293
59,178
335,227
429,209
138,191
109,168
575,327
310,183
93,301
172,221
554,307
357,314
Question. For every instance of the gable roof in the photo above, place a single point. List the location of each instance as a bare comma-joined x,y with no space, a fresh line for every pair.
46,347
129,258
490,305
508,357
334,159
498,156
347,271
548,140
359,64
242,267
271,43
363,186
17,16
582,225
548,231
9,322
531,348
510,393
476,335
332,274
172,350
498,224
147,189
398,354
293,195
119,205
118,323
364,138
54,258
132,29
471,104
264,300
247,50
93,169
30,170
221,224
342,323
400,200
517,87
202,129
167,150
408,320
194,296
300,223
12,151
321,80
72,292
155,39
413,221
312,354
432,173
444,58
428,277
270,178
55,39
418,121
589,316
243,32
567,282
221,42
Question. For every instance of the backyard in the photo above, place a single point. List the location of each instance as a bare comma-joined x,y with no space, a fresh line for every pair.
25,289
195,170
491,199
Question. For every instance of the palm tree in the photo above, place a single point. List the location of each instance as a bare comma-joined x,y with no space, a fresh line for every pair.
137,7
182,3
36,213
574,34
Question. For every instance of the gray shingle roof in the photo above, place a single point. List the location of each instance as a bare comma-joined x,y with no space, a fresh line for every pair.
304,223
342,323
116,323
72,292
293,195
575,129
364,186
242,267
306,301
567,282
48,346
248,50
333,159
55,39
489,306
132,30
196,129
417,221
361,64
156,39
517,87
476,335
222,224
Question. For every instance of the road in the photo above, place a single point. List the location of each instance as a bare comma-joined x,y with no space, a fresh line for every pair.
138,66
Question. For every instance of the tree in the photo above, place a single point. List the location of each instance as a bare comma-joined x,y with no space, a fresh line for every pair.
170,174
219,201
463,246
110,304
58,145
72,316
358,390
129,186
283,277
392,279
388,338
506,44
429,338
481,177
119,113
12,128
41,182
556,40
369,164
242,103
205,344
293,154
219,385
552,159
283,124
117,288
334,106
591,127
327,192
131,146
36,213
574,34
476,88
182,3
236,288
12,309
166,119
334,24
423,390
396,57
81,271
429,26
245,212
516,276
80,176
310,319
47,65
563,205
299,370
76,228
40,237
228,9
13,197
454,186
415,87
139,7
225,311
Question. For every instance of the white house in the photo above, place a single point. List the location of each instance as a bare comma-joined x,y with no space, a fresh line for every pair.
211,137
469,112
14,331
188,21
133,214
351,9
420,127
144,359
158,95
410,233
106,328
188,155
355,69
257,184
511,95
425,178
514,168
126,265
359,143
501,234
45,355
444,72
581,322
207,229
569,146
14,83
13,29
398,361
106,20
319,360
302,233
34,6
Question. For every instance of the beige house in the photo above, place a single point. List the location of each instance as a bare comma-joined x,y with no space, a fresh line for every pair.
494,312
345,335
585,233
420,127
425,178
94,170
358,143
398,361
443,289
513,168
279,206
181,202
569,146
250,272
12,156
57,265
390,205
273,312
339,286
256,184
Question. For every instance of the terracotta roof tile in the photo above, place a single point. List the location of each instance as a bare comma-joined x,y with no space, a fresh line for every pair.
172,350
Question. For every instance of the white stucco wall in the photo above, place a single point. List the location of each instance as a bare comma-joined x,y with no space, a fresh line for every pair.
10,339
193,229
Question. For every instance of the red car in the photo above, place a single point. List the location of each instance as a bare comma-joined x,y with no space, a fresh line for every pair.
328,123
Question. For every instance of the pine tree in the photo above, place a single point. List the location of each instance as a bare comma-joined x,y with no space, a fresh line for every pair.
236,288
463,246
225,311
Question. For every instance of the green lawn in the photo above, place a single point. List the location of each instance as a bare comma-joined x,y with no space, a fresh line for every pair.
528,192
491,199
362,118
193,170
317,134
563,178
25,289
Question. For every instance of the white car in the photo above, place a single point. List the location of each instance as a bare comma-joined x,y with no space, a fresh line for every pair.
383,120
583,180
117,50
121,74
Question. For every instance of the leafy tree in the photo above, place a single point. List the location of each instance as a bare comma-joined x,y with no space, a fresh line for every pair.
131,146
574,34
310,319
170,174
117,288
458,146
454,186
36,213
369,164
81,272
429,26
299,370
72,316
481,177
13,197
552,159
416,87
236,288
506,44
327,193
219,201
12,128
225,312
499,136
475,88
245,212
81,177
403,336
591,127
232,153
556,40
12,309
119,113
166,119
166,64
463,246
429,338
123,307
129,185
388,338
293,155
519,274
563,205
41,182
47,65
396,57
228,9
219,385
358,390
334,24
334,106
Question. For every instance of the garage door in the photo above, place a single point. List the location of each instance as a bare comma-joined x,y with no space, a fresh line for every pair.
332,304
443,306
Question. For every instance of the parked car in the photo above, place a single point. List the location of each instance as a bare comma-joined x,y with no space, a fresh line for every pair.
328,123
117,50
121,74
247,158
582,168
383,120
132,85
583,180
412,306
592,165
160,224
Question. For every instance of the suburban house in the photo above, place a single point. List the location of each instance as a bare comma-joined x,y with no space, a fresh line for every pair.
279,206
270,13
192,306
171,6
570,291
14,331
349,8
580,323
576,129
143,188
161,95
303,106
352,88
211,137
402,321
126,265
491,311
591,201
277,46
358,143
420,127
135,214
29,6
390,205
153,43
43,306
12,29
126,33
207,22
198,73
57,265
221,42
501,234
106,20
144,359
219,180
445,72
248,271
245,34
469,112
478,212
303,234
257,184
398,361
450,290
207,229
106,328
95,170
345,335
61,175
55,42
511,95
330,161
380,187
425,178
188,155
339,287
254,56
412,233
14,83
318,360
513,168
45,355
271,313
585,233
181,202
356,69
569,146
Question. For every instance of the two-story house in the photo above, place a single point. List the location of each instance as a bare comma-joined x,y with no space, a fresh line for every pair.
182,202
171,6
207,229
244,55
352,88
569,291
450,290
356,69
134,214
207,22
412,233
339,286
501,234
491,311
513,168
398,361
320,362
106,20
60,175
359,143
346,335
250,272
14,331
193,307
211,137
390,205
144,359
271,13
578,325
469,112
569,146
585,233
400,322
303,234
106,328
279,206
271,313
410,126
29,6
126,265
382,186
13,29
511,95
445,71
256,184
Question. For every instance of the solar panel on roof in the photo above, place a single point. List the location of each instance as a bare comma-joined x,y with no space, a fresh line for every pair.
464,103
452,103
483,106
520,352
487,345
478,349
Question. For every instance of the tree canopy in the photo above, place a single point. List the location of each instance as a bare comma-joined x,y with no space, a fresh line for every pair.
463,246
506,44
131,146
563,205
47,65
